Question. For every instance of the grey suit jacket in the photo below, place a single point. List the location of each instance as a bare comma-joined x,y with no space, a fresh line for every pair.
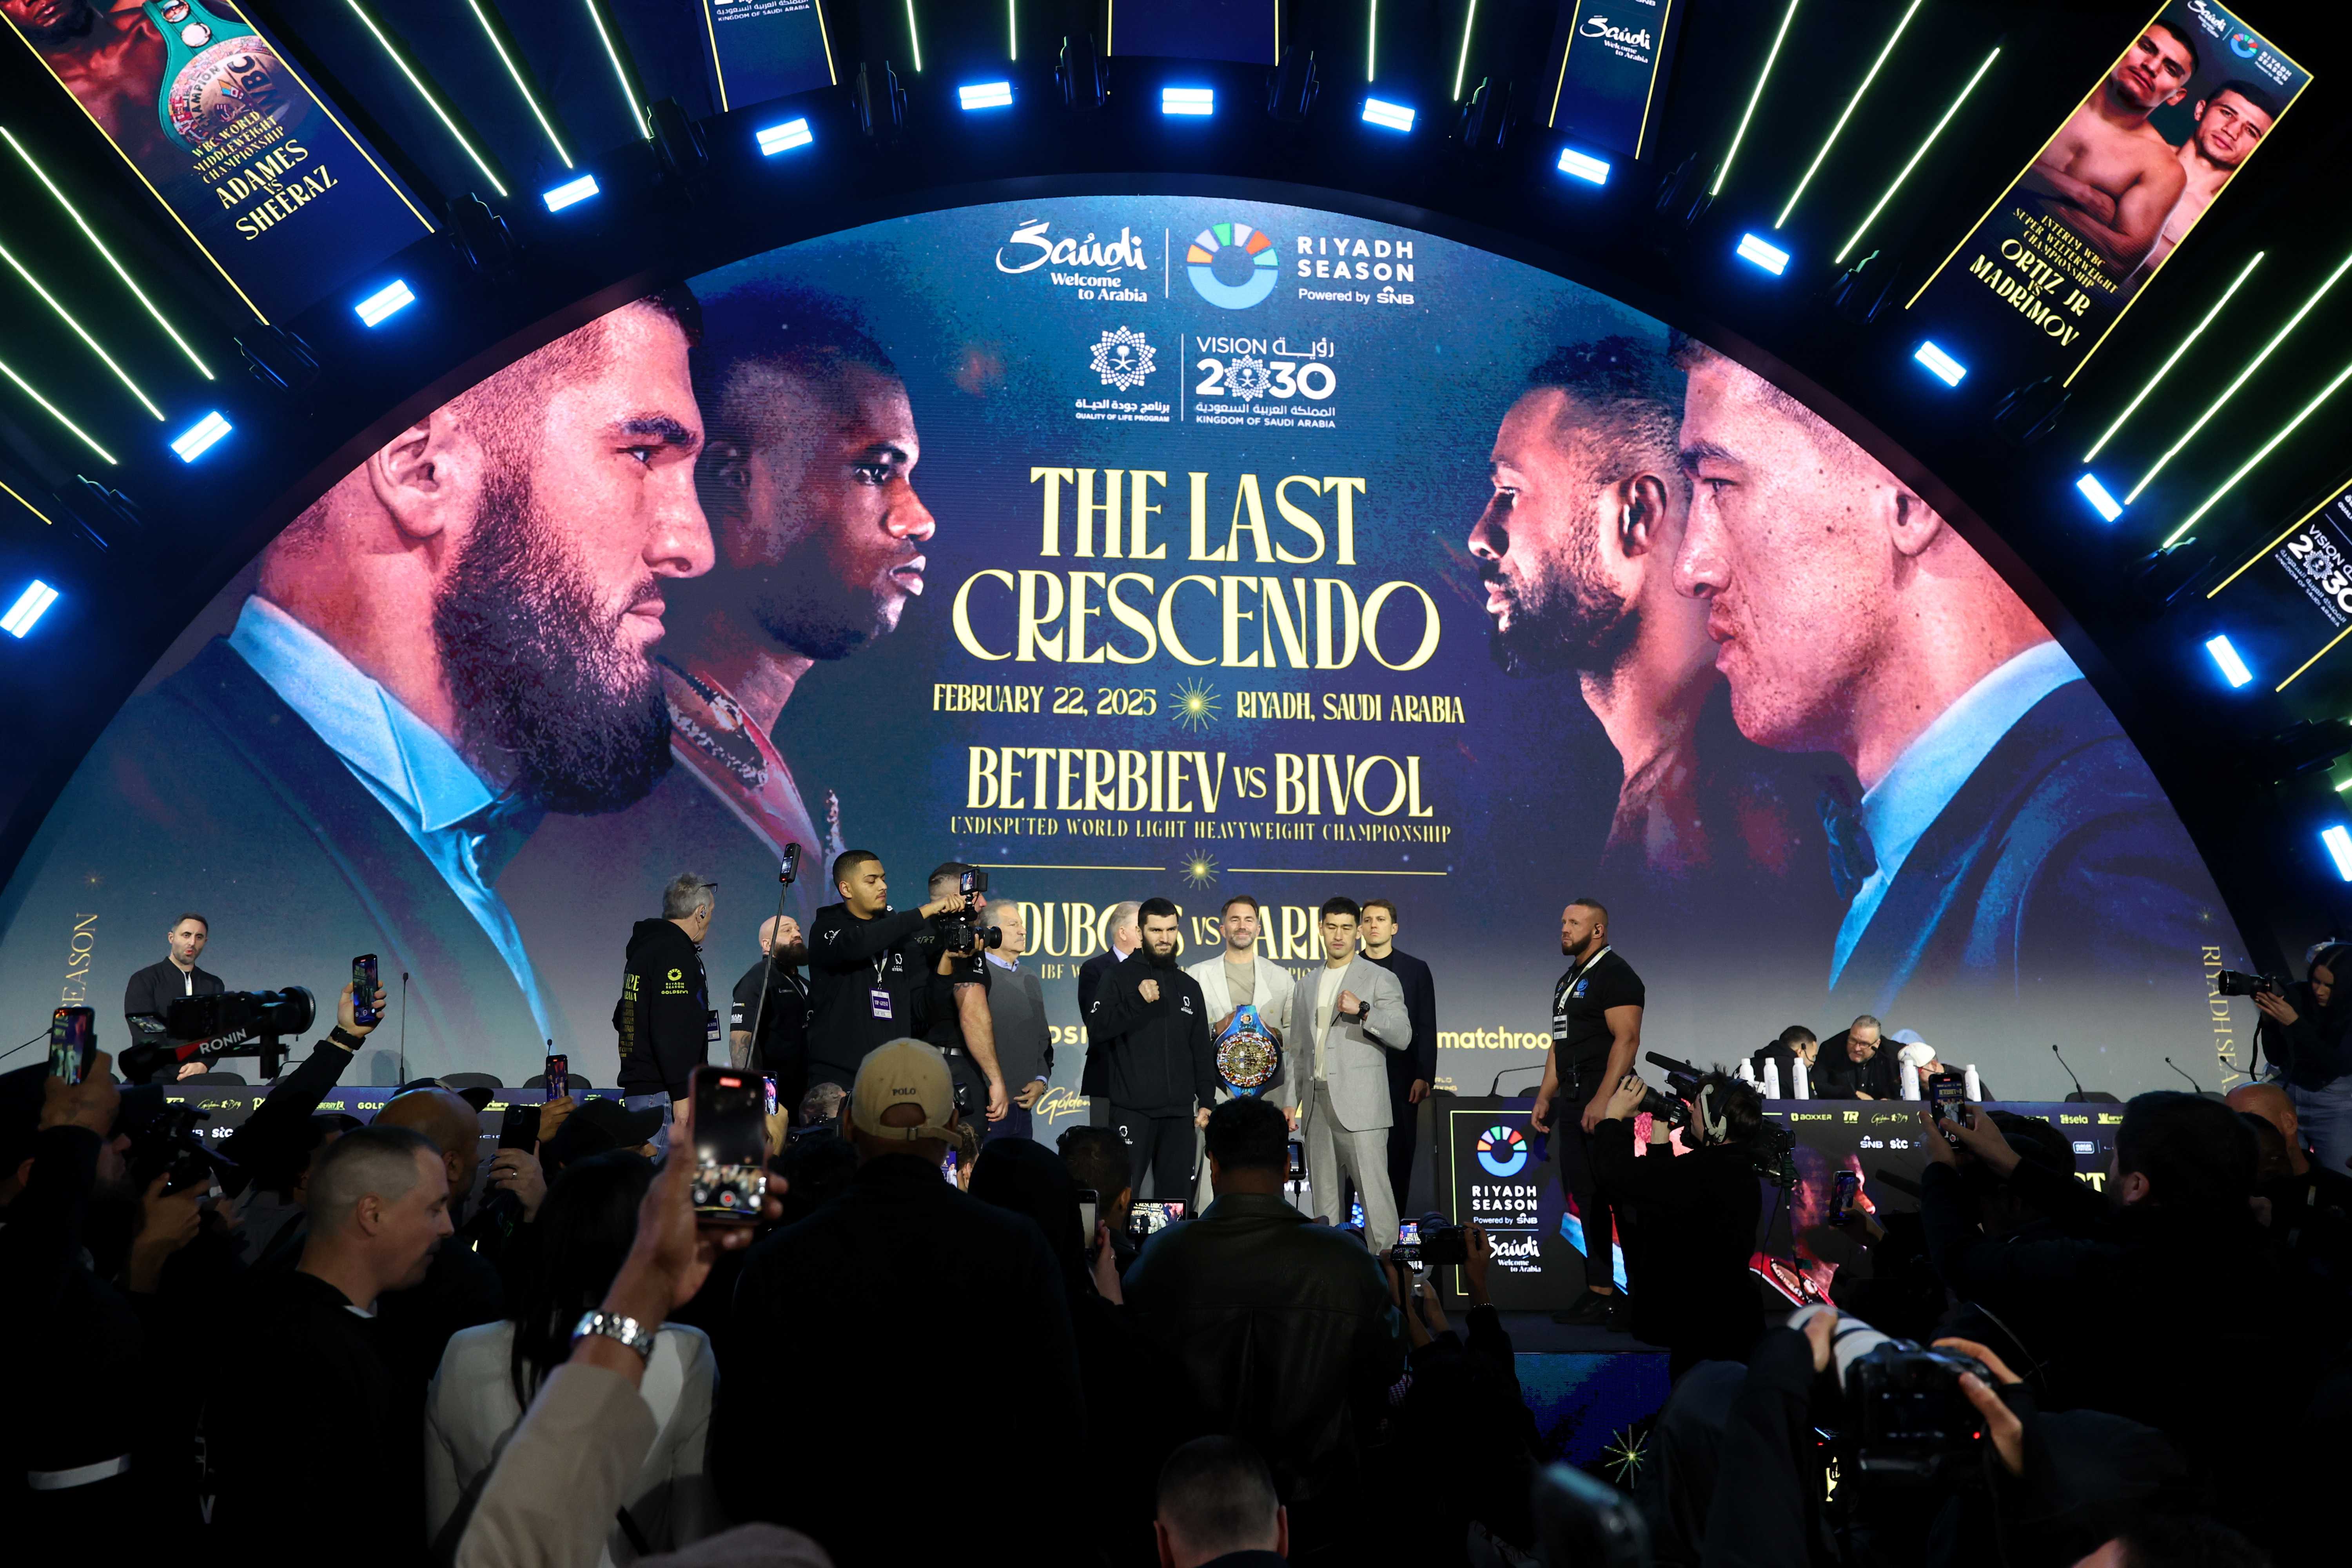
1355,1066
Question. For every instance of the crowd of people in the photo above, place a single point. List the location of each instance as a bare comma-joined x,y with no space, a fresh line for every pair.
933,1340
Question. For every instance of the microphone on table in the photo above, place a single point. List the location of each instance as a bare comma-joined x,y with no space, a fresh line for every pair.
2068,1071
2190,1081
1495,1087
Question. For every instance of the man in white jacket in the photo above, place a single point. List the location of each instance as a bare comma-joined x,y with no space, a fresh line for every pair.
1234,976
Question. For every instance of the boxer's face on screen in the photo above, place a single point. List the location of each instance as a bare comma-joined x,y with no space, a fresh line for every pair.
820,525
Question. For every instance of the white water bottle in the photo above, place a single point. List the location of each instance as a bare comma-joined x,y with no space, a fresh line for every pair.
1910,1081
1772,1079
1974,1085
1800,1086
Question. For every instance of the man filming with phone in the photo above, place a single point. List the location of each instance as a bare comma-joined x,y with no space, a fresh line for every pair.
1596,1033
148,998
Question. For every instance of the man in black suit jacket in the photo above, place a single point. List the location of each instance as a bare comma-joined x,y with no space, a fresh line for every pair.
2010,846
1094,1077
1413,1071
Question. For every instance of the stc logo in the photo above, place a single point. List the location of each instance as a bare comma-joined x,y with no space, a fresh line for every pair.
1503,1150
1233,244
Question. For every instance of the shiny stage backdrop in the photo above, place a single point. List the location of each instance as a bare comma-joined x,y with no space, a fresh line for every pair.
1145,545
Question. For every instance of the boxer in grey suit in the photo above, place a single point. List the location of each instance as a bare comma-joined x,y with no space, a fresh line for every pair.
1346,1017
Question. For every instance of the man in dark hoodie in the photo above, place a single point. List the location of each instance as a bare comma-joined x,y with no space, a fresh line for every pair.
868,970
1152,1017
664,1017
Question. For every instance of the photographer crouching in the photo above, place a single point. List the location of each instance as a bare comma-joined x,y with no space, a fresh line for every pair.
1694,1215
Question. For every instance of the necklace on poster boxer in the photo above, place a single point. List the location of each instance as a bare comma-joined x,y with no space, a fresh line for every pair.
1248,1056
732,726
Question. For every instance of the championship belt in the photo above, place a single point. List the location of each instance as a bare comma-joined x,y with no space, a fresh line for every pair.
1248,1056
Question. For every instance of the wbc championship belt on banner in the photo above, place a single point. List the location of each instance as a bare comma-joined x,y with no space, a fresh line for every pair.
1247,1055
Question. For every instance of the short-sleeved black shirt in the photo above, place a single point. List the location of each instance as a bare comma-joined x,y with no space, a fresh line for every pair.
1579,1009
943,1025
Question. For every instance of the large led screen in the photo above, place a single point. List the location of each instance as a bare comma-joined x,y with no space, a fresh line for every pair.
1136,545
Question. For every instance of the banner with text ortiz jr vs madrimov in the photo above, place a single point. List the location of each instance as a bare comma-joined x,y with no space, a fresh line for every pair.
2051,269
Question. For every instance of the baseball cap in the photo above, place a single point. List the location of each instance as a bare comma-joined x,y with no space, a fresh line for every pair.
904,1072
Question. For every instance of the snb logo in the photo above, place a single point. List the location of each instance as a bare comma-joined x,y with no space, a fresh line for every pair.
1232,265
1503,1150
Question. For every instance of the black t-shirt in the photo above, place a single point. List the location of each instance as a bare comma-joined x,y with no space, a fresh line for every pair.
943,1024
784,1028
1580,1011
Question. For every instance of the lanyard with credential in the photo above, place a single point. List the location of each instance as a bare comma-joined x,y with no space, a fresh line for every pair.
1577,975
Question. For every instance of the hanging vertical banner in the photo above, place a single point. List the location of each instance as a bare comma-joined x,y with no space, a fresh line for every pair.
285,201
761,49
2052,266
2303,580
1613,55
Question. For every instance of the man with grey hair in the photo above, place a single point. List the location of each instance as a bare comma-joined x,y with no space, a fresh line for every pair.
663,1021
1853,1064
322,1401
1576,550
1122,934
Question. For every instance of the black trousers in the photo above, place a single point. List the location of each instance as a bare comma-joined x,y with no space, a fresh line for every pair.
1160,1145
1581,1182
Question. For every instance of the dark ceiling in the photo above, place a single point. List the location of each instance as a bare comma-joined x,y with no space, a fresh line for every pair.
134,566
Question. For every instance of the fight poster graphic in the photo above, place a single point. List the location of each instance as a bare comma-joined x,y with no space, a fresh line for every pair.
1135,546
2052,266
228,134
1613,55
2303,581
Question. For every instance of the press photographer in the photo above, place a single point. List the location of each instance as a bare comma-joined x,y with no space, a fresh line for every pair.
2307,1033
956,1014
1694,1215
154,1050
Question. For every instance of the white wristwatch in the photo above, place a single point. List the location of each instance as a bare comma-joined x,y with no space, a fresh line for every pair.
613,1326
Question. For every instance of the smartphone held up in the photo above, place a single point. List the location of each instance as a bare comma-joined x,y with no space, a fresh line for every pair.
730,1145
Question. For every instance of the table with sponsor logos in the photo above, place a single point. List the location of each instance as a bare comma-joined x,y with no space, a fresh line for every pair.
1490,1167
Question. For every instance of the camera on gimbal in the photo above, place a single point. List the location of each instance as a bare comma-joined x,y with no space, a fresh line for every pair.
1774,1147
245,1023
959,932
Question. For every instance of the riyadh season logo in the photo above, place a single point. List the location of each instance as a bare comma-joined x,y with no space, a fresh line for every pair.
1231,247
1503,1150
2244,48
1122,359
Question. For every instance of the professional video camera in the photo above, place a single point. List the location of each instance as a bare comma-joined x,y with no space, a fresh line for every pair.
959,932
1775,1147
245,1023
2230,982
165,1142
1906,1418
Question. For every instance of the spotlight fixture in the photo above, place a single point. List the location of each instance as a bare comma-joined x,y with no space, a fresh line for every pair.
1584,166
2338,840
571,192
30,606
386,302
1941,365
1196,100
986,95
200,438
2233,668
1763,253
1392,116
2106,506
783,138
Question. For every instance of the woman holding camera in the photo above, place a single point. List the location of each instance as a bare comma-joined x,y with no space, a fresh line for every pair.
1693,1216
2307,1035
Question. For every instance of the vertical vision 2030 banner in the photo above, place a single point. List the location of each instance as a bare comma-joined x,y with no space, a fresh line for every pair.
2054,263
230,137
761,49
1136,545
1611,58
2303,583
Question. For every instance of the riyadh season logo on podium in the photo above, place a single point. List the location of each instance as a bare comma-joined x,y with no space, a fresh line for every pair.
1503,1150
1244,256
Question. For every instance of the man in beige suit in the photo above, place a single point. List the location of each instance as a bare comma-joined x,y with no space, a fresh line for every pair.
1346,1015
1232,977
